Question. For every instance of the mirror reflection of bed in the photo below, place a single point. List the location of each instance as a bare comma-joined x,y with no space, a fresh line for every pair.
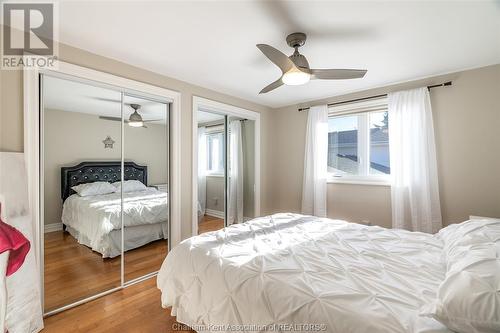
92,209
84,199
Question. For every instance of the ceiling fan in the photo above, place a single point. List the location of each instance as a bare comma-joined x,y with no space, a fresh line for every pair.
135,119
295,68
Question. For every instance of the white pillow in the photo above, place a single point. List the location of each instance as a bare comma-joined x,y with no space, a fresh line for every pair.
95,188
468,299
129,186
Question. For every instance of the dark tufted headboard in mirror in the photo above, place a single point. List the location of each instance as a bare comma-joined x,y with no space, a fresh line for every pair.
89,172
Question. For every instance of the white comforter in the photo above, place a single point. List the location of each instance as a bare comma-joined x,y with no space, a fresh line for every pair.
97,215
301,270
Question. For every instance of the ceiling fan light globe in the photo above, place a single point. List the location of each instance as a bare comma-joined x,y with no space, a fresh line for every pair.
136,124
295,77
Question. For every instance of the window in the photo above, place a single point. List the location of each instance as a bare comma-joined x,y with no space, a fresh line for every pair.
358,143
379,143
215,153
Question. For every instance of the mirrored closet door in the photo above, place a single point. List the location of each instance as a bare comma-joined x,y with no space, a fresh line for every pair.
241,170
226,170
145,216
105,184
211,171
81,210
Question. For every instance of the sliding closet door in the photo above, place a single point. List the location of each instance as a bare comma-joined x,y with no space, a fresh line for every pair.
211,171
241,170
145,189
81,213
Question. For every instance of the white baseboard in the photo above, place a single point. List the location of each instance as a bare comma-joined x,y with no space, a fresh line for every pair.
214,213
220,214
53,227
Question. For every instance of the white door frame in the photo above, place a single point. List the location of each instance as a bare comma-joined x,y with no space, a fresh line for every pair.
32,91
205,104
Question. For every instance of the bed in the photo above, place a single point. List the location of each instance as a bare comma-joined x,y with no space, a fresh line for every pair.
303,273
95,221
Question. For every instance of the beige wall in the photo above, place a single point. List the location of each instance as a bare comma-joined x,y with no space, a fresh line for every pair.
466,121
215,193
11,114
71,138
11,118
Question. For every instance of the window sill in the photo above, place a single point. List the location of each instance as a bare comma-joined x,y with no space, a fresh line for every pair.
352,181
217,175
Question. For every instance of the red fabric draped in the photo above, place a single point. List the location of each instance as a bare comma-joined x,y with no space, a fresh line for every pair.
14,241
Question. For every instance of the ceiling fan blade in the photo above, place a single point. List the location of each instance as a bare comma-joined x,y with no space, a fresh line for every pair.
277,57
110,118
337,74
272,86
151,120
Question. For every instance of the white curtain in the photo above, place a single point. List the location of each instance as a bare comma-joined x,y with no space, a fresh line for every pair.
415,193
315,162
202,172
235,205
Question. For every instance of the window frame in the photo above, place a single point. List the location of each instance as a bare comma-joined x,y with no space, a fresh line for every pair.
213,133
362,110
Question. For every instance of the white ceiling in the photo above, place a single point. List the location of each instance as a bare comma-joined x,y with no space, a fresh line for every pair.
71,96
212,44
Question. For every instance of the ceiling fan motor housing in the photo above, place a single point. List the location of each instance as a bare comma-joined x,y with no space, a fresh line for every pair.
297,39
135,117
299,60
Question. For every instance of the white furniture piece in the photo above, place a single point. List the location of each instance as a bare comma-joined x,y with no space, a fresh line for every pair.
4,258
24,310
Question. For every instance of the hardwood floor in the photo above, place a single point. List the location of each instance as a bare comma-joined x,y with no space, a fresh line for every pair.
210,223
133,309
73,271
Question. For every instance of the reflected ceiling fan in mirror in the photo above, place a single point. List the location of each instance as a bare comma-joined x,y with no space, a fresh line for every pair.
295,68
135,119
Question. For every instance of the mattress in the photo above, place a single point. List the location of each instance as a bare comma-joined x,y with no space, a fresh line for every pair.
133,237
290,271
92,219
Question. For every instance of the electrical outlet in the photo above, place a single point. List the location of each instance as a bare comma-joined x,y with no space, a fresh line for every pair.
216,201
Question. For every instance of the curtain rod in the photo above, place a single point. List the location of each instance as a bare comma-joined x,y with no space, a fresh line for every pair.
222,123
448,83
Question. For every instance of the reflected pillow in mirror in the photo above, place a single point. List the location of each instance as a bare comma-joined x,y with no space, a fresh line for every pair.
129,186
95,188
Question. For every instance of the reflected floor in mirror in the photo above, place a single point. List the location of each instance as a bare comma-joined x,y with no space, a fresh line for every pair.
133,309
73,271
210,223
